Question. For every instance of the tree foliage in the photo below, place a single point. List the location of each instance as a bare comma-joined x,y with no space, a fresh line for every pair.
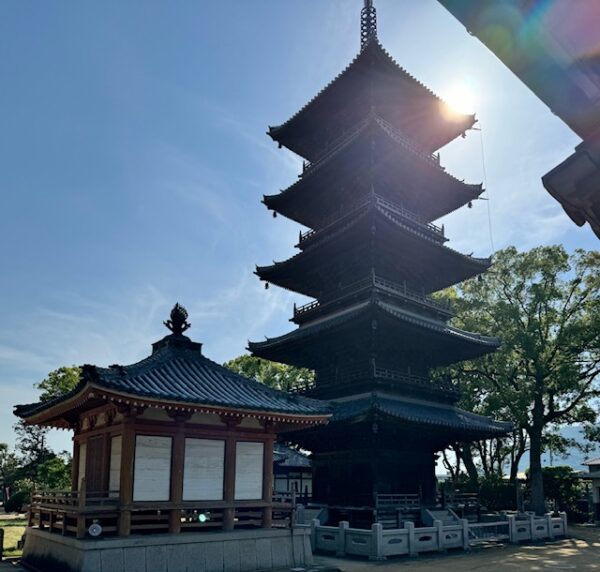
545,305
272,374
59,382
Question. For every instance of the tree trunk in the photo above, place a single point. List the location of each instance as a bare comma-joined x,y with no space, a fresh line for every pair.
467,457
535,471
519,447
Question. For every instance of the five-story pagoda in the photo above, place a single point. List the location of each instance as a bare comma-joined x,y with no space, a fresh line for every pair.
369,192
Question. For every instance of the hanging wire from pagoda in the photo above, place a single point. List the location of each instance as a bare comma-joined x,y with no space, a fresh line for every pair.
368,23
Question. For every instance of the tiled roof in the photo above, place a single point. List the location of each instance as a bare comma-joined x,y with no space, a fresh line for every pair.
177,371
288,457
593,462
375,56
419,412
392,311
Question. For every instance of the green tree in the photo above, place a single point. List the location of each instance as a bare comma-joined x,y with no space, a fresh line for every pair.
31,442
545,305
55,473
31,445
275,375
59,382
8,469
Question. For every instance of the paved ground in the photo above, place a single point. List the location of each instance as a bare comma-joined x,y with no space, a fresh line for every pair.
579,552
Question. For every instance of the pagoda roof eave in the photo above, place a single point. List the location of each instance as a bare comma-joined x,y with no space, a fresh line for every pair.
464,192
462,122
272,347
419,412
276,273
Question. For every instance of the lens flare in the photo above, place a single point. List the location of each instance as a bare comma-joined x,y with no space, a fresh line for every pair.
461,98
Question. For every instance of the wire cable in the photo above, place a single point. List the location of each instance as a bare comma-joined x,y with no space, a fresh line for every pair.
487,190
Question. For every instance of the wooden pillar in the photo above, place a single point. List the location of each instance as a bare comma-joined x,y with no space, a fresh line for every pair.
106,441
177,464
267,520
126,477
81,500
229,483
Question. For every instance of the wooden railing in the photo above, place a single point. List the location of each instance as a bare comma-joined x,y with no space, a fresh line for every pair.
390,206
383,501
72,513
401,290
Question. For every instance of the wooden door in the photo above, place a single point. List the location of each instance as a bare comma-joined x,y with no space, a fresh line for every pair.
94,470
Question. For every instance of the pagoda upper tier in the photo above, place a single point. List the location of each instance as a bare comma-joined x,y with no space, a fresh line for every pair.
373,81
376,236
373,153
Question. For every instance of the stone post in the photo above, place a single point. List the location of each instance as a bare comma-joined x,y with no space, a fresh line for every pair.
376,542
549,525
512,529
300,514
341,545
439,525
532,525
313,533
412,542
563,516
465,532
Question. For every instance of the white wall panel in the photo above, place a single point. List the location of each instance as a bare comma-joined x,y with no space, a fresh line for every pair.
114,475
152,471
203,469
81,466
249,470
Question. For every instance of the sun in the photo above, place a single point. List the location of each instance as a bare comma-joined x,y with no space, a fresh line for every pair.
461,98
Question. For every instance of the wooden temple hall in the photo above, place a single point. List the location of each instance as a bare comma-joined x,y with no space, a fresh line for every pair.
174,443
371,257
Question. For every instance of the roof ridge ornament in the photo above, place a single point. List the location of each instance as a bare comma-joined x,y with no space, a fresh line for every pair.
178,320
368,23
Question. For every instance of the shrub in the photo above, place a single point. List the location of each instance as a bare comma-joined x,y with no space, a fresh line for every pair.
17,501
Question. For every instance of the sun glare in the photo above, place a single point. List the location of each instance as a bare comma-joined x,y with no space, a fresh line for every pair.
461,98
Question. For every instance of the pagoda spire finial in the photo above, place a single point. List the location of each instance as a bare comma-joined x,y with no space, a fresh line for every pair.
368,23
178,322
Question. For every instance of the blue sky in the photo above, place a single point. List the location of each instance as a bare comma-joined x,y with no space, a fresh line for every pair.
133,158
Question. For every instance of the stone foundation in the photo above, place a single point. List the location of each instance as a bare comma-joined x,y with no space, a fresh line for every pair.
237,551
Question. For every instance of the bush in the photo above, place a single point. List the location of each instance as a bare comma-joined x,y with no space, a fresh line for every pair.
17,501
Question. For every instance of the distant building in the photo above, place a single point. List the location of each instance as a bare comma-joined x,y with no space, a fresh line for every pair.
594,476
554,49
292,472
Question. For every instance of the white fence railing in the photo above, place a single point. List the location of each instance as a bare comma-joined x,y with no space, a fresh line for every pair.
378,544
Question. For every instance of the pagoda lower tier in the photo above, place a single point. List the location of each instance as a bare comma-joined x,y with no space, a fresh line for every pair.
372,154
381,443
374,328
378,235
